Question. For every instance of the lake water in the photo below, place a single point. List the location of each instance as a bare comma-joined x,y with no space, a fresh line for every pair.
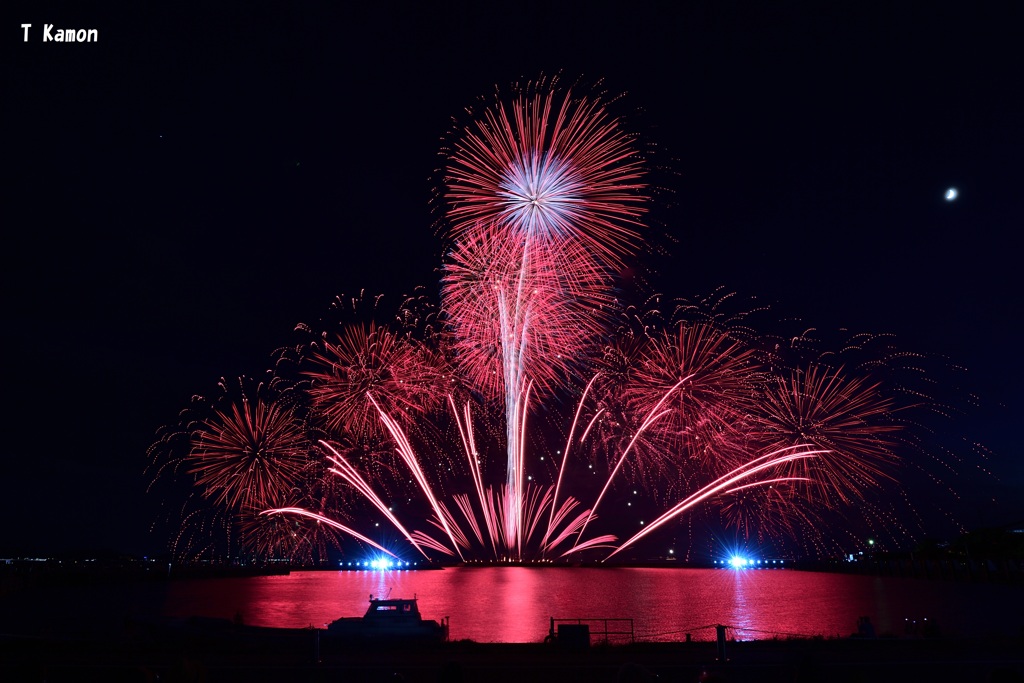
514,604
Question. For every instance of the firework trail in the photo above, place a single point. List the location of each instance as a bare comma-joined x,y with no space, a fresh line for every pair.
769,461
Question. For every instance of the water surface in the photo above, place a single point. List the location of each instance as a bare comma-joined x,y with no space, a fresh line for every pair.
514,604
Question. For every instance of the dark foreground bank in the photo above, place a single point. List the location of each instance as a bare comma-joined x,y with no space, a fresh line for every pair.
141,657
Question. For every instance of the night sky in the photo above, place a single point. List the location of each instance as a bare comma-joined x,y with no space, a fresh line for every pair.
179,195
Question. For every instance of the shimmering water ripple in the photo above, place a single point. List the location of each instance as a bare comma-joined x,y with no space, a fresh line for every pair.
514,604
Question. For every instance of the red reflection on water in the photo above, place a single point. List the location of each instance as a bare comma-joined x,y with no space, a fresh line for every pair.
515,604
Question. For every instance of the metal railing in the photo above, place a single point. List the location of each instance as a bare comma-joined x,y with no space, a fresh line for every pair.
601,629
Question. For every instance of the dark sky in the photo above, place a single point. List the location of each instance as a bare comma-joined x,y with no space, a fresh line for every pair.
182,193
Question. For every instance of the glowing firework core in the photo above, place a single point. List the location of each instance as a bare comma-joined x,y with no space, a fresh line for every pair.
541,196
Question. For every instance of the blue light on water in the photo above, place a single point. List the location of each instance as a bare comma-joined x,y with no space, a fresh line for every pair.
738,562
381,563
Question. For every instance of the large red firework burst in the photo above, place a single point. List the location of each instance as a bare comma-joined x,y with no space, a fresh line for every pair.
548,166
365,369
848,417
706,383
249,454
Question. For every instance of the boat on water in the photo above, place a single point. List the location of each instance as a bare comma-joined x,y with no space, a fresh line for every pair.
390,618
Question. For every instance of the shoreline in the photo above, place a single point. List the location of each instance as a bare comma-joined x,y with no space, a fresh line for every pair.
1001,570
194,657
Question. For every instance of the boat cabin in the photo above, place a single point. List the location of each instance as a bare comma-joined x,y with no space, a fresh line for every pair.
392,609
397,618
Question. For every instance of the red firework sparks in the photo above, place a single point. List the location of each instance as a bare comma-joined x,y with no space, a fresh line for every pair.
249,455
525,314
545,199
715,380
365,361
848,417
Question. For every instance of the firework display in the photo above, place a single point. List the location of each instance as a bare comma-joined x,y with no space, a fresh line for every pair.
534,416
